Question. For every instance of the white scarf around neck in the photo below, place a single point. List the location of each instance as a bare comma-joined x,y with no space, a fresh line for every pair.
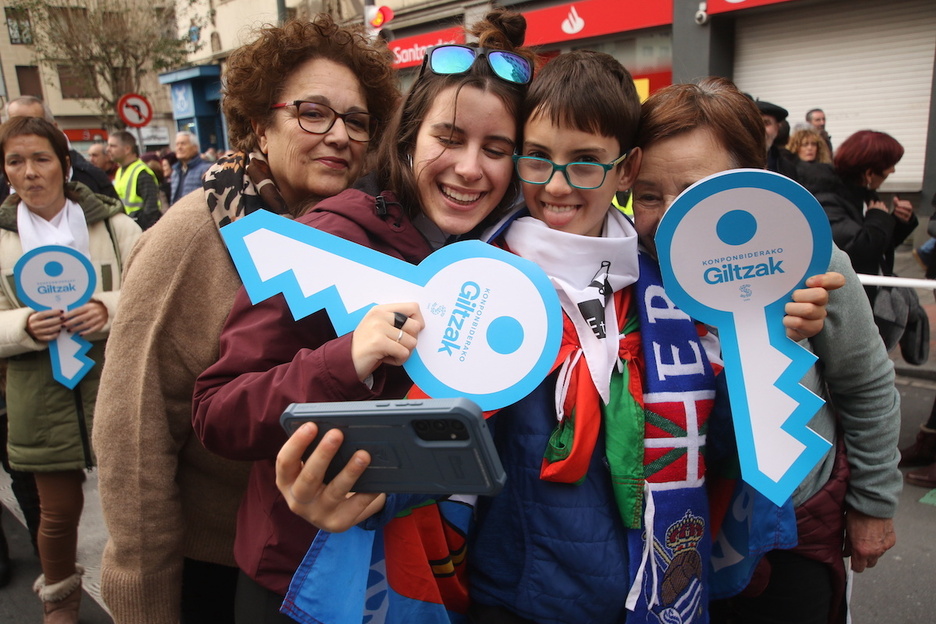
68,228
585,271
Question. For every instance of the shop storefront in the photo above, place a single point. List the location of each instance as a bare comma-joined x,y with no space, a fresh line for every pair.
196,94
867,64
638,37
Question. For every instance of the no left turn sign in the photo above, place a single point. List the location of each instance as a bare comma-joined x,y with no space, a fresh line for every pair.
135,110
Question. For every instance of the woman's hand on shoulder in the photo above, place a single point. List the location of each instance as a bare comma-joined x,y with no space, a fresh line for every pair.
45,325
385,337
805,315
330,506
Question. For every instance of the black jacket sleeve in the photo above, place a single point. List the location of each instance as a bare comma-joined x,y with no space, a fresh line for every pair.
91,176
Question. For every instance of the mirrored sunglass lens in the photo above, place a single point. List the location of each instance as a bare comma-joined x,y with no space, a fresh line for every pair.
451,60
586,175
510,67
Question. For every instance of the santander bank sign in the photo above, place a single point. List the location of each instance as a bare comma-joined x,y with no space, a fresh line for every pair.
409,51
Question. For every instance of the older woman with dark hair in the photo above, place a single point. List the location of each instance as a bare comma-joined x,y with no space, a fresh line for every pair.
845,505
49,423
305,104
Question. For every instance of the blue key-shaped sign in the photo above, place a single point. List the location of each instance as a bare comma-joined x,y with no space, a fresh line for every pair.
732,248
493,320
58,278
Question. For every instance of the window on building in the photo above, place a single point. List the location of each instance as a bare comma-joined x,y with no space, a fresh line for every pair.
30,83
18,26
69,17
74,84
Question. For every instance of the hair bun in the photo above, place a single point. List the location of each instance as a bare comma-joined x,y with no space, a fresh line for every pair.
500,29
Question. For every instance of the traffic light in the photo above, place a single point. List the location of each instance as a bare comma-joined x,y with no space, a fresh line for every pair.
375,20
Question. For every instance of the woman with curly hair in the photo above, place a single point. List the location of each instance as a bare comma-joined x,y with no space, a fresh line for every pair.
807,145
305,104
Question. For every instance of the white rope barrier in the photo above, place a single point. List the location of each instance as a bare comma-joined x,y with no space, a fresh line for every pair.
901,282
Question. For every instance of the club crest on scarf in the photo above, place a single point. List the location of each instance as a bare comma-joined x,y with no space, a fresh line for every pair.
668,558
675,586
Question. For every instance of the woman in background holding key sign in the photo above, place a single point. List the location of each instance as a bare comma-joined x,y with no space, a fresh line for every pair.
49,424
688,132
445,169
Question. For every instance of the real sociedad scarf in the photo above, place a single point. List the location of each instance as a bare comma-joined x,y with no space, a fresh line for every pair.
669,557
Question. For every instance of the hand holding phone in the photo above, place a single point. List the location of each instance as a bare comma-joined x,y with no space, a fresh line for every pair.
432,446
329,506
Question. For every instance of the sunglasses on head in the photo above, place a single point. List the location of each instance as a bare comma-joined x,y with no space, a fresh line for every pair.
452,58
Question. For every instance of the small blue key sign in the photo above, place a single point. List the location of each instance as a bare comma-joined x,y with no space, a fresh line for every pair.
732,249
58,278
493,319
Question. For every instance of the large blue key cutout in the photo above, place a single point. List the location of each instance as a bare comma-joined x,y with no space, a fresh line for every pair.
732,249
493,319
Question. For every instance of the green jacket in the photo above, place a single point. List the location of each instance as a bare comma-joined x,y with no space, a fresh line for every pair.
45,431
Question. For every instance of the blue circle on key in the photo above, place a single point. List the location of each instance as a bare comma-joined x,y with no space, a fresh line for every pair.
736,227
53,268
505,335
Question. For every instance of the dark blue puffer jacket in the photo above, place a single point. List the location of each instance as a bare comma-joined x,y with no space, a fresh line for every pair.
549,552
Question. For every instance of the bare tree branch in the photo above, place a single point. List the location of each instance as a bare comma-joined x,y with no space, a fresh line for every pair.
105,48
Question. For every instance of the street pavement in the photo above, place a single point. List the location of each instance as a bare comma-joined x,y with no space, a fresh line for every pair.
899,590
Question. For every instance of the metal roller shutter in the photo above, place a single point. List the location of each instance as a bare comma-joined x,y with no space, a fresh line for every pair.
867,64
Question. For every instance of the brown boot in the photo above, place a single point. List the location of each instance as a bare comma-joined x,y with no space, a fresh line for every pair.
922,452
60,601
925,477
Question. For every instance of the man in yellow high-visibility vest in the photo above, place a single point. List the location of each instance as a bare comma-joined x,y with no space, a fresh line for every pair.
134,182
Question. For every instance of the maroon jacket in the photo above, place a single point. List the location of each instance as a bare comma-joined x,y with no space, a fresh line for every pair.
267,361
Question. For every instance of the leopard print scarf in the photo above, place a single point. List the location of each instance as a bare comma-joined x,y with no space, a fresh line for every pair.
240,184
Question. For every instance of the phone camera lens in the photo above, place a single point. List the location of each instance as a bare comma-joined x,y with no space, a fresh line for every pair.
422,426
458,425
439,425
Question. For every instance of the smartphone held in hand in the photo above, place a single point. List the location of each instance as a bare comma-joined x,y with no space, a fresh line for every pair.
421,446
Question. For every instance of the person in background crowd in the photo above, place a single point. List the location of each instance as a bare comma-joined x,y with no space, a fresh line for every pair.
81,170
49,424
188,171
170,505
808,146
152,160
98,156
779,159
445,169
810,156
863,226
168,160
135,183
923,451
817,118
845,505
